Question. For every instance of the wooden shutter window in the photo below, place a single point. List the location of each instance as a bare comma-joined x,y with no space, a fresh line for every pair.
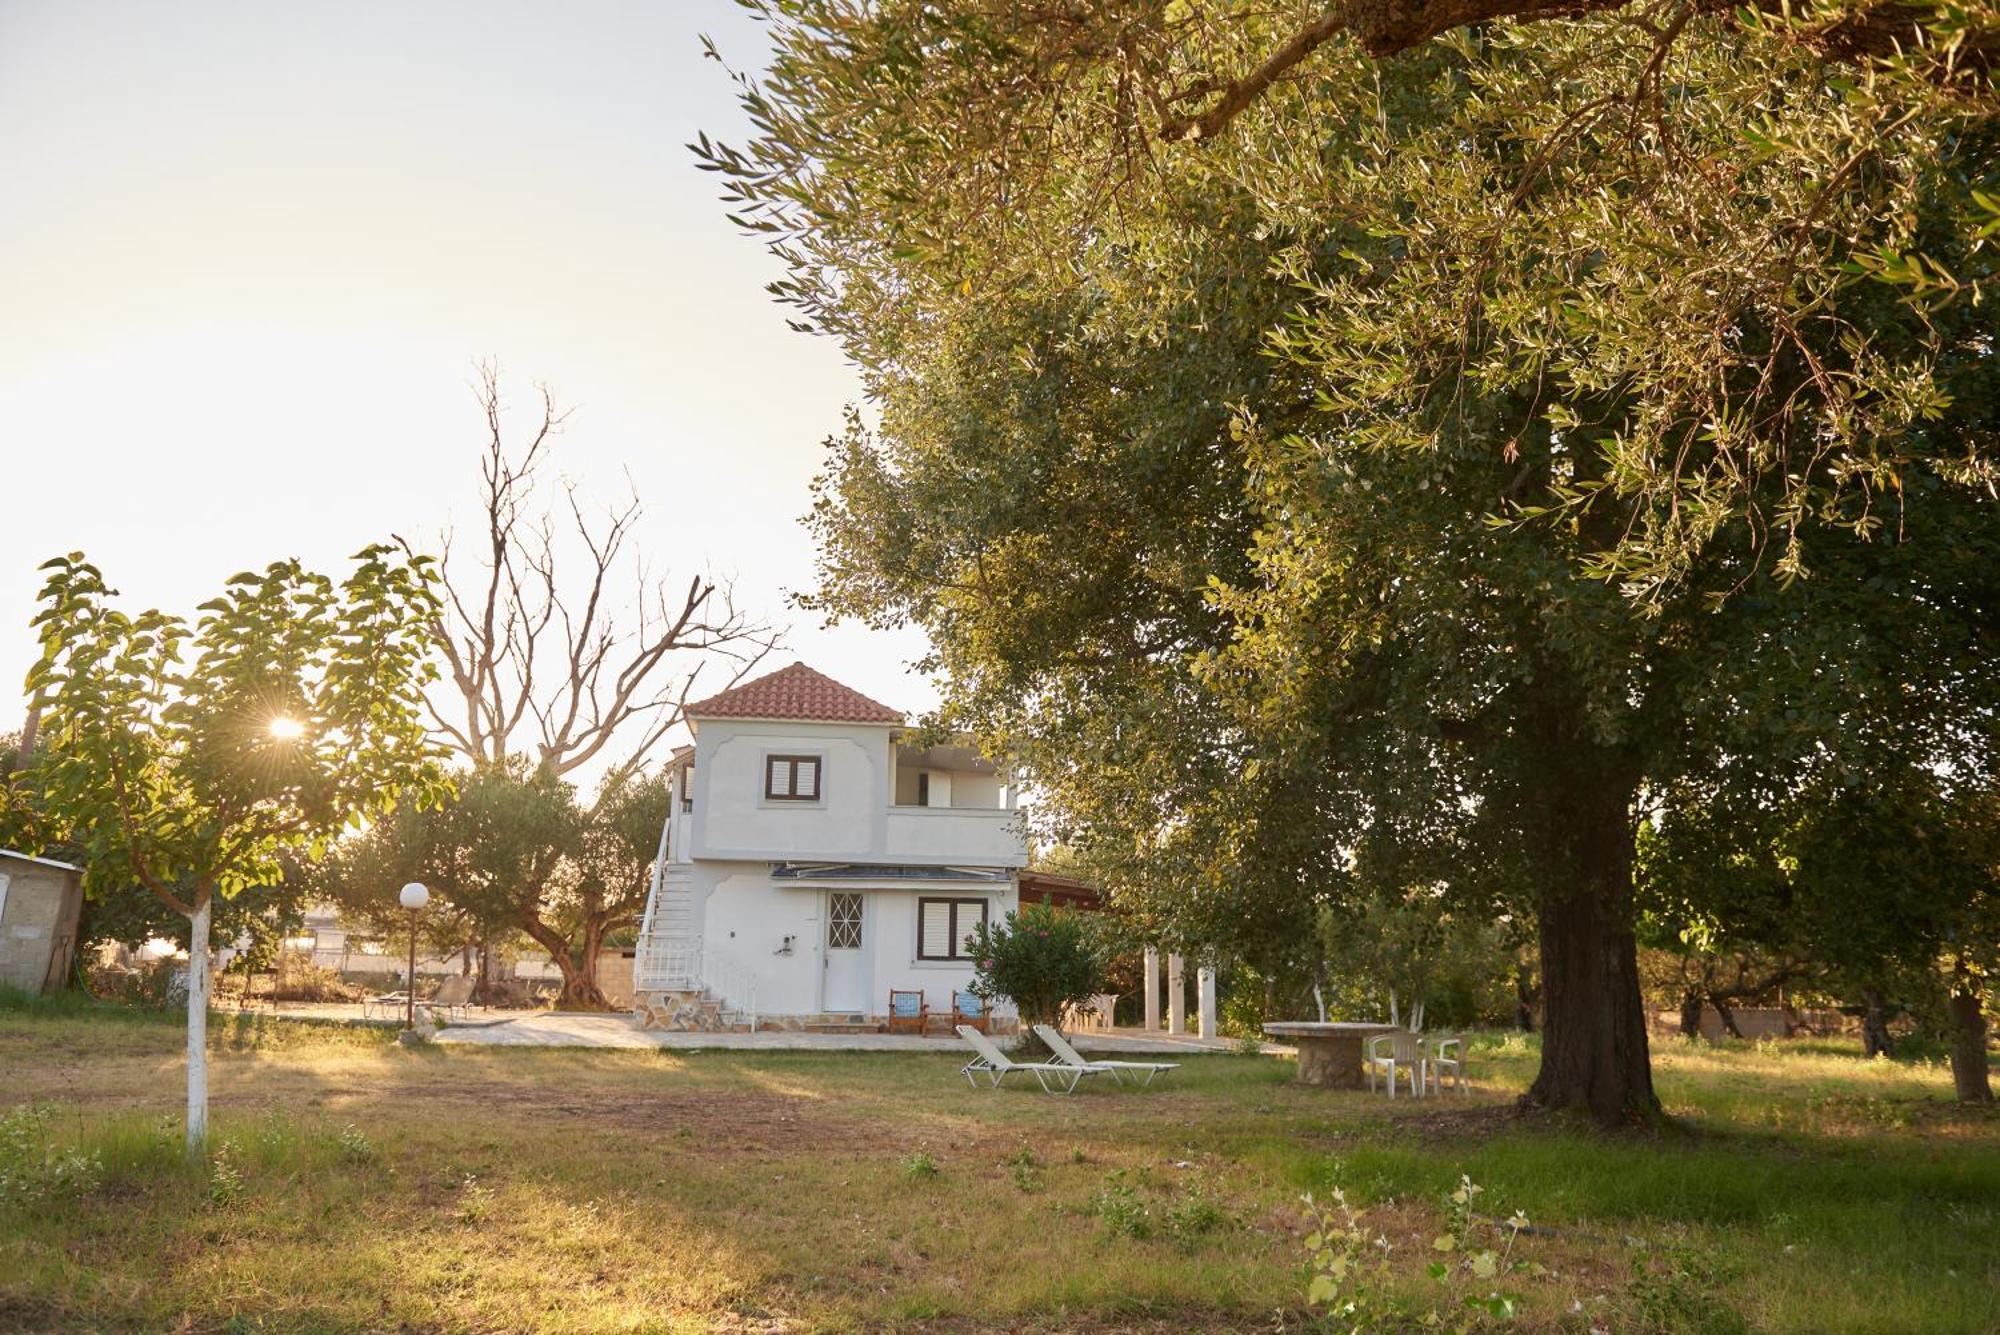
934,941
966,915
791,778
945,927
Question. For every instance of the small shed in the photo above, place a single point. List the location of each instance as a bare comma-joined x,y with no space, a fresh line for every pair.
40,902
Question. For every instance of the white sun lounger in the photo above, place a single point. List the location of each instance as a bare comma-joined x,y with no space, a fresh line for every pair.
996,1066
1070,1057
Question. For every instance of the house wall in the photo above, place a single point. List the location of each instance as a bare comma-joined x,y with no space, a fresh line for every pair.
745,919
39,907
894,915
733,818
975,790
723,851
949,788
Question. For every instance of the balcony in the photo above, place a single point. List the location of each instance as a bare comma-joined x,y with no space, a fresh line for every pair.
977,836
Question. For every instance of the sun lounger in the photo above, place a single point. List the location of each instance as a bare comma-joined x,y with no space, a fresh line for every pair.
996,1066
1069,1056
453,997
387,1002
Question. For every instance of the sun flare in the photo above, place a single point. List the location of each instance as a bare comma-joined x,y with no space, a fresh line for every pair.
286,729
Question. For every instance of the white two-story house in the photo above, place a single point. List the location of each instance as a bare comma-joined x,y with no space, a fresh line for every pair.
816,858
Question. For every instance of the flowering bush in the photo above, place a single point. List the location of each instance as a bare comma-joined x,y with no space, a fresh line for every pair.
1041,960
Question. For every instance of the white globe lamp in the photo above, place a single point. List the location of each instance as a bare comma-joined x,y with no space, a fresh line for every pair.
414,897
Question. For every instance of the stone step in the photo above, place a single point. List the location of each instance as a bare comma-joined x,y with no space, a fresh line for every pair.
841,1027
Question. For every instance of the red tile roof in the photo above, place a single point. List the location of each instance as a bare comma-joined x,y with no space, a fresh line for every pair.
796,692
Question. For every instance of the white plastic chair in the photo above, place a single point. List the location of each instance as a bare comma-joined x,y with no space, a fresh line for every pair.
1405,1052
1447,1054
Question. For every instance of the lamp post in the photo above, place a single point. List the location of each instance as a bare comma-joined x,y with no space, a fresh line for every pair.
414,897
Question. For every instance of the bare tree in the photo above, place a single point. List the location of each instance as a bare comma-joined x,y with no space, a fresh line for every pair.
563,653
592,664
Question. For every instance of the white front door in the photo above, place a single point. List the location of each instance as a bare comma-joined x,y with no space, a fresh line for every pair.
846,955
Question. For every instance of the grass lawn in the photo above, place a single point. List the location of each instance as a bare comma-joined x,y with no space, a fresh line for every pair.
359,1186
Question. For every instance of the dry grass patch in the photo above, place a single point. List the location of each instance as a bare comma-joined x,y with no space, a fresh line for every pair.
366,1187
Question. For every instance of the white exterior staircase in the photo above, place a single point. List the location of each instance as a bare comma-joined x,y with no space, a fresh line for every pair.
676,982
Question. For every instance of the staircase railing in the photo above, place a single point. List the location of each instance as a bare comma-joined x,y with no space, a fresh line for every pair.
733,984
665,963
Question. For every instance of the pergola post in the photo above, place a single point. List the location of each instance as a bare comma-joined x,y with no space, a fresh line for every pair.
1152,989
1205,988
1176,997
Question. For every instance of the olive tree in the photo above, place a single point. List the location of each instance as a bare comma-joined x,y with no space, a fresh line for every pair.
1292,453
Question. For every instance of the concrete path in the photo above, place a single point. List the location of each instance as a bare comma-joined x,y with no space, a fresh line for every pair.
553,1029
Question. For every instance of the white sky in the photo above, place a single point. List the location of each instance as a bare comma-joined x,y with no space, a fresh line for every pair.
250,252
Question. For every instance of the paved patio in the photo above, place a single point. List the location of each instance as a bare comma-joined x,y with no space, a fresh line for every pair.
554,1029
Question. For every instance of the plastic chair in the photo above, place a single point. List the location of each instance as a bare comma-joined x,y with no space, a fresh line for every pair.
1405,1052
1447,1054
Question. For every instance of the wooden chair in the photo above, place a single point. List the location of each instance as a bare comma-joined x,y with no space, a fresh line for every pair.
970,1010
907,1012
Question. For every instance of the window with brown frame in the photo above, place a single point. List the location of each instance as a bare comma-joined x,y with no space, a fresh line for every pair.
791,778
945,927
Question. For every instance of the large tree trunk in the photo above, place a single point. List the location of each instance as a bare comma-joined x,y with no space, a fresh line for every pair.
1525,990
197,1028
1594,1054
1691,1005
1875,1040
1727,1014
580,991
1969,1074
485,991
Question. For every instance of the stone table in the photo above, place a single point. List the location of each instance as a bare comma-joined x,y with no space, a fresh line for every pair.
1329,1052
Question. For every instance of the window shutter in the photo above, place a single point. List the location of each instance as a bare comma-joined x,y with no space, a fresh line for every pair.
777,777
805,780
969,914
936,937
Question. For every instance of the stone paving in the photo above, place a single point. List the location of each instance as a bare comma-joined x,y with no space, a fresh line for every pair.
555,1029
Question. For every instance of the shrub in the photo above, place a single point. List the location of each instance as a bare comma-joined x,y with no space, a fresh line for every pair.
1123,1213
355,1147
294,977
1042,960
32,1167
149,985
1351,1284
1193,1213
225,1177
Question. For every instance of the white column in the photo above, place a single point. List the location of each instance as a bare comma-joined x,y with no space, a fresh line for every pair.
1205,984
1152,988
1176,997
